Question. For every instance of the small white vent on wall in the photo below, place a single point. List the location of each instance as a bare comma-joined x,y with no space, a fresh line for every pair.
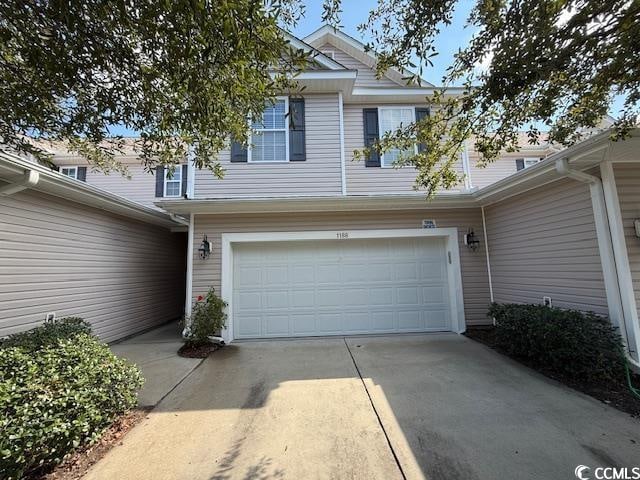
546,301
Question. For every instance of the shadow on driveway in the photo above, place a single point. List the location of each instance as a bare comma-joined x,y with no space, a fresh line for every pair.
419,406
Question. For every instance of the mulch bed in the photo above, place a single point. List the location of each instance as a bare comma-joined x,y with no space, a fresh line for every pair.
198,351
77,465
616,395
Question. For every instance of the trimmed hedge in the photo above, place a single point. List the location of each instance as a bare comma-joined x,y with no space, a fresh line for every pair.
570,343
58,391
48,333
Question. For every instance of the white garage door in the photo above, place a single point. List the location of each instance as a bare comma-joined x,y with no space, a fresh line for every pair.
336,287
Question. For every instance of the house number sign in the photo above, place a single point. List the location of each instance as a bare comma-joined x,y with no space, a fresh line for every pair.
342,235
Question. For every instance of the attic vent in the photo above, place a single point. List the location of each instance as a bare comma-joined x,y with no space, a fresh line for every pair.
329,53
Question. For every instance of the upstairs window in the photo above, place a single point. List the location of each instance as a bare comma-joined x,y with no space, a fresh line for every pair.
270,134
522,163
173,182
391,119
529,162
69,171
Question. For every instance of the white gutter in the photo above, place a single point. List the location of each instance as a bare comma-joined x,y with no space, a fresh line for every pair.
178,219
188,302
607,257
29,179
343,177
54,183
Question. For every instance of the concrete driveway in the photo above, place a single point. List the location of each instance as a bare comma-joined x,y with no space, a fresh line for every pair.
422,406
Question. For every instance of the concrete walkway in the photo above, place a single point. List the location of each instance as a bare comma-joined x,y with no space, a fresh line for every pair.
423,406
155,354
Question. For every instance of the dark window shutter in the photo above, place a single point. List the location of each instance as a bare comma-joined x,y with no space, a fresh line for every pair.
297,150
420,114
185,173
82,174
371,135
159,181
238,152
519,164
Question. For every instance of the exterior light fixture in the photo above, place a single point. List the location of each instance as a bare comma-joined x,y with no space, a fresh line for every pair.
636,226
205,248
471,241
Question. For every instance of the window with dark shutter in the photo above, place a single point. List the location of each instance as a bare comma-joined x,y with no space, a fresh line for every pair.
297,148
519,164
185,174
420,114
238,152
371,135
82,174
159,181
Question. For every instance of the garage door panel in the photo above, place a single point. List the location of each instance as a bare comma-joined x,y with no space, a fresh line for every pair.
335,287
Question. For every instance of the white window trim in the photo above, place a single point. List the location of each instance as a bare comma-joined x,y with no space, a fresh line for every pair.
381,133
450,235
164,191
70,167
530,161
286,137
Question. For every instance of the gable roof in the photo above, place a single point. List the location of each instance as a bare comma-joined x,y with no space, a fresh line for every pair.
320,58
355,48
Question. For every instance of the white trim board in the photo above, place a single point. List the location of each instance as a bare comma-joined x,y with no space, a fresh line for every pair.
454,272
621,258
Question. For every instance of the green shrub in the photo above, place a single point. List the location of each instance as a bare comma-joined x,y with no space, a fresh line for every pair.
573,344
207,318
59,398
48,333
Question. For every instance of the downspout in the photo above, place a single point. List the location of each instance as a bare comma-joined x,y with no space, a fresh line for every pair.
605,246
188,302
343,175
29,179
486,250
191,170
466,168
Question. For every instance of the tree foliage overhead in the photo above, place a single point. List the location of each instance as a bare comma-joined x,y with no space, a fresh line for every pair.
179,72
555,63
188,73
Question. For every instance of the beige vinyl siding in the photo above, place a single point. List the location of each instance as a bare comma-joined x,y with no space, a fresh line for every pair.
627,177
500,168
319,175
121,275
543,243
366,75
206,273
363,180
140,187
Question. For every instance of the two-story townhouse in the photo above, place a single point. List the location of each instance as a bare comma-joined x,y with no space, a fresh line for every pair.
302,240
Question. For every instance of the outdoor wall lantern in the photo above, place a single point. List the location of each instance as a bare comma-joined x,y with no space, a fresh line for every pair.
205,248
470,240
